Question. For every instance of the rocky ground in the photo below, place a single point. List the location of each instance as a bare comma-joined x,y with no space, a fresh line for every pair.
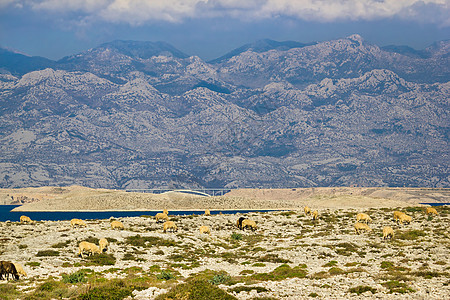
289,256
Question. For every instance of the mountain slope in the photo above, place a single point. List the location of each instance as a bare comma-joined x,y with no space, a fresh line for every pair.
320,115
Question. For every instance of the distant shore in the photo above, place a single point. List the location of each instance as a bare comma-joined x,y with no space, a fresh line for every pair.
76,198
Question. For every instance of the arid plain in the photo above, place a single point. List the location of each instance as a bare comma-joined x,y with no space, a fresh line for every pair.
288,256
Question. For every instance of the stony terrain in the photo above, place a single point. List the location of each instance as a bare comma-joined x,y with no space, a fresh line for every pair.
289,256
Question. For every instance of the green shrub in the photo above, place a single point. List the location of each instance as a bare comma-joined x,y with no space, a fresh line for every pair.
76,277
362,289
281,272
387,265
110,290
219,279
8,291
61,244
411,234
395,286
236,236
258,289
165,275
48,253
335,271
102,259
273,258
313,295
33,264
330,264
196,290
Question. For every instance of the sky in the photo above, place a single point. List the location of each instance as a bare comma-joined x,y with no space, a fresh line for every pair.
211,28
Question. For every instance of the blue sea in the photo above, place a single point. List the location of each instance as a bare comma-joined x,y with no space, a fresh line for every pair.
14,216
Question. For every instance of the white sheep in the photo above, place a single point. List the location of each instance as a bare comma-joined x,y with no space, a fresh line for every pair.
388,232
169,225
77,222
103,244
90,248
25,219
361,227
205,229
363,218
161,216
117,225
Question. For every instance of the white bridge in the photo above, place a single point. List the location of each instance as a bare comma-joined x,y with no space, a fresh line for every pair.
200,192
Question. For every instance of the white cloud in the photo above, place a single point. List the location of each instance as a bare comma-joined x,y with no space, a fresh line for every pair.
141,11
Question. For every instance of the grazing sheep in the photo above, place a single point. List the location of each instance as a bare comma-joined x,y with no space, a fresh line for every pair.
248,224
397,215
6,268
361,227
207,212
239,222
161,216
205,229
315,215
20,269
166,212
307,210
170,225
388,232
363,218
90,248
116,225
77,223
404,218
431,210
25,219
103,244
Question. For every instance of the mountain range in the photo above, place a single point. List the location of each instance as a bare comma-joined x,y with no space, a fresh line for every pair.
131,114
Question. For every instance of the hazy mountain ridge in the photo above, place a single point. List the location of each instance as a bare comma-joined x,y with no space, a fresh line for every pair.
318,115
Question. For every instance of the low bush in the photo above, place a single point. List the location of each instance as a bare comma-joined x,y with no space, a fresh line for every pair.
76,277
48,253
196,290
395,286
102,259
258,289
362,289
281,272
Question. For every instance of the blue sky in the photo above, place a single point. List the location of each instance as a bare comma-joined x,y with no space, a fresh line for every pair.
210,28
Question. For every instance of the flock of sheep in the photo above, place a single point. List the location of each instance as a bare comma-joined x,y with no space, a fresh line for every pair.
362,220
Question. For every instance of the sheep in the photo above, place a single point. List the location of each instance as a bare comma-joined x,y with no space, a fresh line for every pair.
116,225
404,218
165,211
20,269
315,215
25,219
307,210
77,222
397,215
170,225
248,224
363,218
388,232
239,222
90,248
6,268
361,227
161,216
431,210
205,229
103,244
207,212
